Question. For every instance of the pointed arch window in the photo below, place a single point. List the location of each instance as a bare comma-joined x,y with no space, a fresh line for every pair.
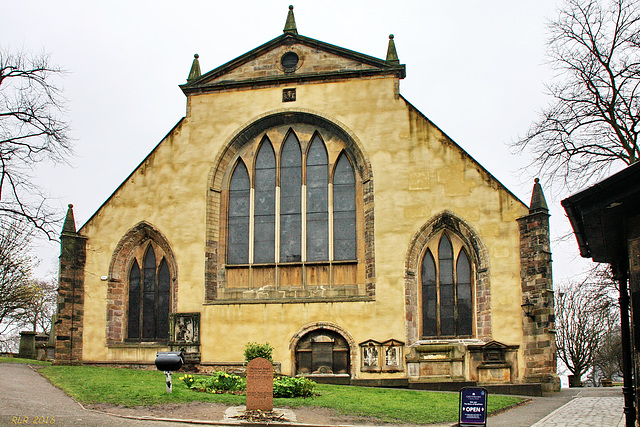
291,200
292,215
239,215
149,297
344,210
447,298
265,205
317,201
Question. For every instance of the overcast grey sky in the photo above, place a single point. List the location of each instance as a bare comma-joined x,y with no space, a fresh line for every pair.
476,69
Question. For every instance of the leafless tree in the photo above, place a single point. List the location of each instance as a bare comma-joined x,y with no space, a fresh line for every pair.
37,315
608,360
31,131
593,121
16,285
586,313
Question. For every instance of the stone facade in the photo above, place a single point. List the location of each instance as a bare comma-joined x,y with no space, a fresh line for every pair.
537,289
358,320
69,325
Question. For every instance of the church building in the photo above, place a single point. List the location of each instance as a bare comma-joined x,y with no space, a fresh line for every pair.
304,202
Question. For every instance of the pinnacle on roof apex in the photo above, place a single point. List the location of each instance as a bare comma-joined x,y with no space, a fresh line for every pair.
538,202
194,73
290,25
392,55
69,221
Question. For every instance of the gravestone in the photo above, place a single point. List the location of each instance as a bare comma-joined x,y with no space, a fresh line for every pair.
260,385
27,347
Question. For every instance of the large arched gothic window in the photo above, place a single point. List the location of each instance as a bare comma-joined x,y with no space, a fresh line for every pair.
292,213
149,295
446,276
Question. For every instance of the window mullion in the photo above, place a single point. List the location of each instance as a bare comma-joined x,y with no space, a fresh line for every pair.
252,207
156,303
438,299
304,223
331,242
456,319
141,300
277,227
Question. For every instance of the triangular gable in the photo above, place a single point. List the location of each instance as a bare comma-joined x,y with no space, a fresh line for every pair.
392,343
316,60
495,344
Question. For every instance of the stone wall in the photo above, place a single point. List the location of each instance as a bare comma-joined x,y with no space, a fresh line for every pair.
537,289
69,323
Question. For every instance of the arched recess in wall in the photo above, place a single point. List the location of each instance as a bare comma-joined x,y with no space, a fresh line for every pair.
141,246
350,274
422,244
323,348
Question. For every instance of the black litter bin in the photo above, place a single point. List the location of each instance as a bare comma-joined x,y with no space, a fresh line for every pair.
169,360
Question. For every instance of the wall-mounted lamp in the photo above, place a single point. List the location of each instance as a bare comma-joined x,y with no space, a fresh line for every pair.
527,308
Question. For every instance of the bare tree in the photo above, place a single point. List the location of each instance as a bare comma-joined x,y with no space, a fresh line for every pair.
31,131
585,314
608,360
16,285
594,119
40,309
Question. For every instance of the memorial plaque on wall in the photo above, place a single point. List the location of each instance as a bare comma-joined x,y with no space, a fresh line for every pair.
322,357
260,385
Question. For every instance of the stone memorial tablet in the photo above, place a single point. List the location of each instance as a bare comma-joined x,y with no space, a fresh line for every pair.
260,385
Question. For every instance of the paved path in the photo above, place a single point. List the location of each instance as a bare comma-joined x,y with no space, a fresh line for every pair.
27,399
598,407
595,407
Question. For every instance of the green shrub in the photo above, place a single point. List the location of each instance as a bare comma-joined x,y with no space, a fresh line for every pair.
218,382
221,381
188,380
293,387
253,350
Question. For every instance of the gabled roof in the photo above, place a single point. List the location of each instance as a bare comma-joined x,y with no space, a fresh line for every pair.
317,61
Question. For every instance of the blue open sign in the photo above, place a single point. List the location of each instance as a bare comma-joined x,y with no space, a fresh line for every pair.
473,407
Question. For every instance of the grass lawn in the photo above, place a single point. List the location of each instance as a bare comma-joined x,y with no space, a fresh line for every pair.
130,387
20,360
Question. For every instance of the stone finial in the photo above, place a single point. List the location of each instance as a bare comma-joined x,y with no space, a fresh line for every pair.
69,222
195,69
290,26
538,202
392,55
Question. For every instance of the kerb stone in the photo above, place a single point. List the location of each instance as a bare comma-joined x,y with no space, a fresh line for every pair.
259,385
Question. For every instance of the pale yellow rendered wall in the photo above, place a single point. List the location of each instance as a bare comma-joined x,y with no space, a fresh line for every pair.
417,174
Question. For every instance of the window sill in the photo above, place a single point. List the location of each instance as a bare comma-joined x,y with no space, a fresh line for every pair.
306,300
293,264
138,344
